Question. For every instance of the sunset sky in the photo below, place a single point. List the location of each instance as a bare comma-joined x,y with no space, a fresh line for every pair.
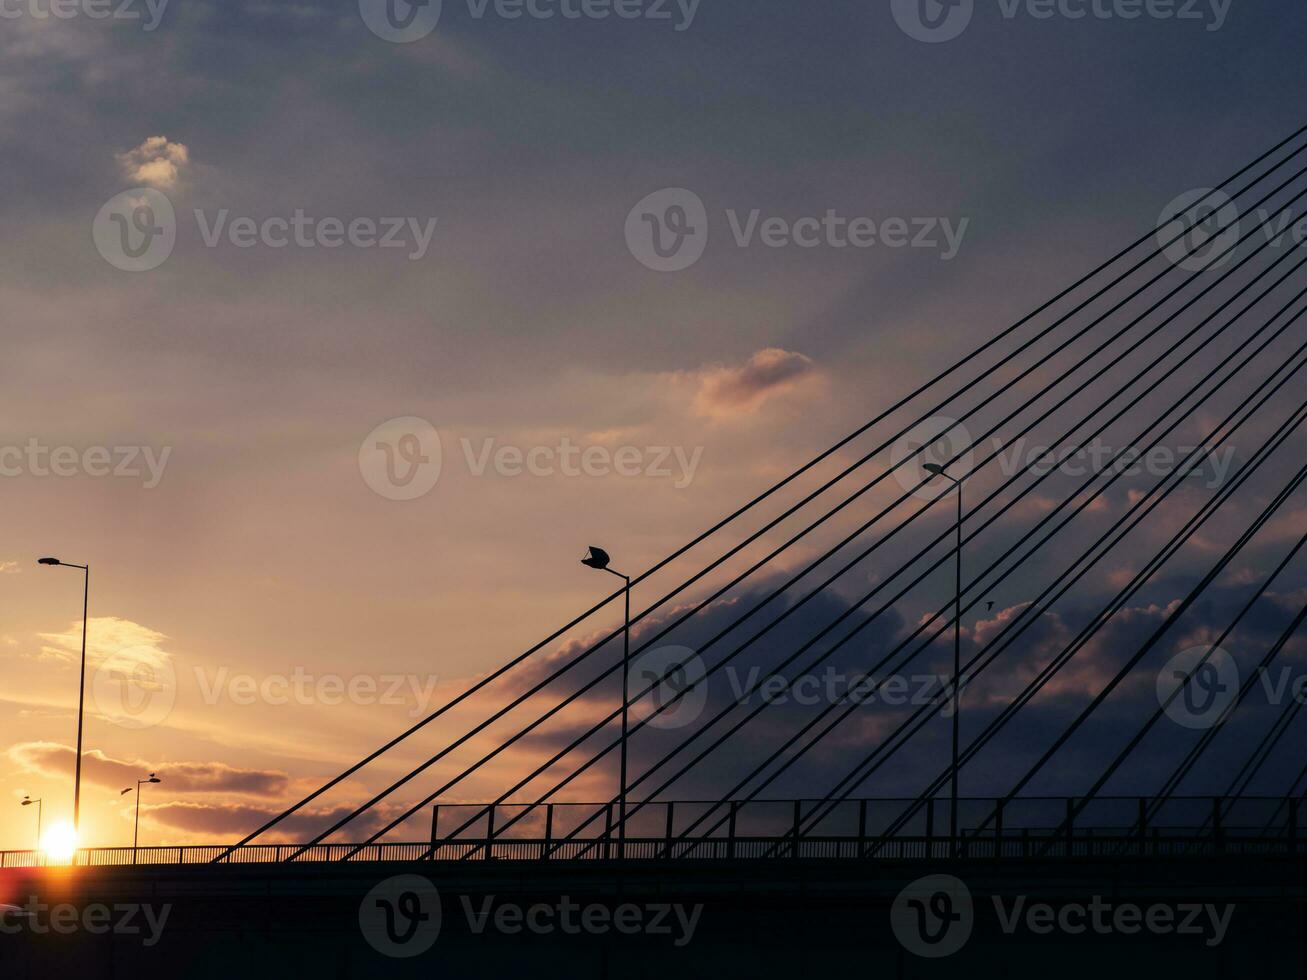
241,553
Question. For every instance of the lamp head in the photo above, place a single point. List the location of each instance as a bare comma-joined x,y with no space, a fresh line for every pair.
26,801
125,791
154,779
597,558
934,468
47,561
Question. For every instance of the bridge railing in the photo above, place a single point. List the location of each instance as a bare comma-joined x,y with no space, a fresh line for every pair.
1026,827
871,819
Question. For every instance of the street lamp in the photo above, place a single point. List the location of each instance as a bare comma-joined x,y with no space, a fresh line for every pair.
598,559
81,687
938,470
136,831
28,801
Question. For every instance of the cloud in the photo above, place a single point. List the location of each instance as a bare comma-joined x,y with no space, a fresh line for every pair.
725,688
156,163
9,568
224,821
53,759
741,389
107,637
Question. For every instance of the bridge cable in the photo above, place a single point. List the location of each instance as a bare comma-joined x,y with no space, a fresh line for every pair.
1191,758
736,514
1247,536
939,633
1101,347
1081,801
871,764
945,534
480,685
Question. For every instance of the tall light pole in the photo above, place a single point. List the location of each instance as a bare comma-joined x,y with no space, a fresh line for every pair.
957,656
81,689
28,801
598,559
136,831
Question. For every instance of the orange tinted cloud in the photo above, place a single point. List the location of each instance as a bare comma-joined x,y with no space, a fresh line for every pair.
53,759
157,162
742,388
223,821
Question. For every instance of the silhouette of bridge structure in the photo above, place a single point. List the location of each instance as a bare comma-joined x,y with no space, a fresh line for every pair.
1030,827
1187,343
1192,333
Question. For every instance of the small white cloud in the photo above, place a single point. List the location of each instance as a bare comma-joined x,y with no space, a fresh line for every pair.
156,163
108,637
9,567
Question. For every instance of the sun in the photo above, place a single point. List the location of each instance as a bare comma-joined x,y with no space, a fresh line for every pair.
59,842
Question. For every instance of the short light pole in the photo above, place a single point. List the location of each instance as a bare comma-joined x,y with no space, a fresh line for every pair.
598,559
28,801
938,470
81,689
136,831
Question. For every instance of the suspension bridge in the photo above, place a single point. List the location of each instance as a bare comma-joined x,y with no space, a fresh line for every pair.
1066,739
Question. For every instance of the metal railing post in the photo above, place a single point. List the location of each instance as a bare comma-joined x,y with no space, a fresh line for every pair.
549,831
798,818
1070,825
998,829
435,831
930,828
862,827
667,834
608,831
490,830
730,832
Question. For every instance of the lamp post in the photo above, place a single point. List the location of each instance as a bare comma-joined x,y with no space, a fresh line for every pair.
28,801
938,470
136,830
81,688
598,559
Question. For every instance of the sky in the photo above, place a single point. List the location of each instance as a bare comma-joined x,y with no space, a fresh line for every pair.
402,343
